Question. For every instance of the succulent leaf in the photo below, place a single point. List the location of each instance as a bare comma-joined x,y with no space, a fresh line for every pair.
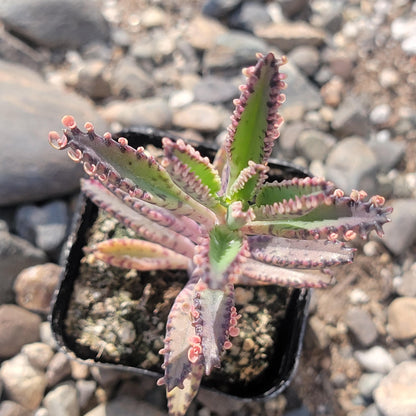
255,272
131,253
178,340
180,399
255,120
298,254
344,219
291,197
134,171
183,158
247,182
142,219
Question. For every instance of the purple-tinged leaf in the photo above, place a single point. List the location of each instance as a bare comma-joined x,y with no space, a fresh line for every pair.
255,121
255,272
193,173
178,341
138,220
299,254
344,219
131,253
212,323
180,399
133,171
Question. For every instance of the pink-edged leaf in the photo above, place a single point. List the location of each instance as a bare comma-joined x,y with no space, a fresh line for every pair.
140,220
300,254
178,341
132,170
255,121
257,272
344,219
213,322
131,253
180,399
289,198
193,173
247,182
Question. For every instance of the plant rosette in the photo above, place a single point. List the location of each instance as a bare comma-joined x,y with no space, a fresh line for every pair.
221,221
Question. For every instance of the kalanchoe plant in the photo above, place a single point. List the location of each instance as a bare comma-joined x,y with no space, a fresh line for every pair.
221,221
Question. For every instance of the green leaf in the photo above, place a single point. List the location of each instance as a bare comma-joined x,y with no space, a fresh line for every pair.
224,247
255,119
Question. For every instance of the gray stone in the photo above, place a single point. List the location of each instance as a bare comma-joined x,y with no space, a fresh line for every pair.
35,286
367,384
306,58
290,8
316,333
361,326
153,48
44,226
371,411
214,90
63,400
126,406
407,285
314,144
351,118
13,49
300,90
46,335
10,408
38,354
53,23
288,35
17,328
93,79
302,411
249,15
376,360
59,367
351,164
401,316
15,255
30,170
198,116
401,232
23,383
153,111
129,80
388,153
395,395
203,31
86,390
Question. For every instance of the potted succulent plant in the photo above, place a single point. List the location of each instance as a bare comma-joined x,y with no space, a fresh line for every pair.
221,222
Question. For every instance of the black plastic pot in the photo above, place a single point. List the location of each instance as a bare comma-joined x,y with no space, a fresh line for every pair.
284,359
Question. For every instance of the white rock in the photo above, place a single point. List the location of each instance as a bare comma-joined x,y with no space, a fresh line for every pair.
23,383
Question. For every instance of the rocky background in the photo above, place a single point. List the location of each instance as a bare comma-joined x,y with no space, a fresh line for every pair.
350,116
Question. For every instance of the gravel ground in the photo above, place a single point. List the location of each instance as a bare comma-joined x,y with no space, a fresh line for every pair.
350,116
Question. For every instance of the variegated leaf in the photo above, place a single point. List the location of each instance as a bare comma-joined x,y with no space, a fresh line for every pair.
255,122
139,220
131,253
254,271
299,254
